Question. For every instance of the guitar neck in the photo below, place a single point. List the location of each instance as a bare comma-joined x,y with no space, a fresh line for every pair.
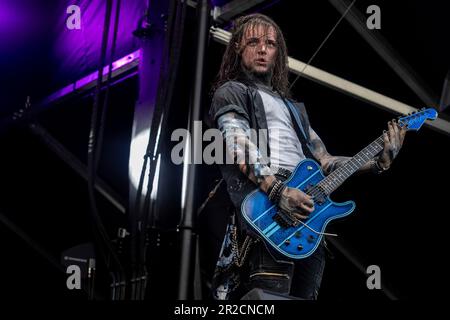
338,176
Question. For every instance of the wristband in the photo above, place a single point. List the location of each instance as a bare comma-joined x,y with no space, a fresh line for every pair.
276,190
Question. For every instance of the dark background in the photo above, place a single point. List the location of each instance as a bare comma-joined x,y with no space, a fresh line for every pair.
399,221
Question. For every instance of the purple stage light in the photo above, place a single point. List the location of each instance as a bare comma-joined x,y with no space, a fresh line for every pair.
219,3
126,63
77,51
21,22
133,57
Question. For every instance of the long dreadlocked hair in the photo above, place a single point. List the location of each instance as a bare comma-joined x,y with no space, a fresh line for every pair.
230,68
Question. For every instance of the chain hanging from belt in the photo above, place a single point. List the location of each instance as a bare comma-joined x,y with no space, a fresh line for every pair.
240,255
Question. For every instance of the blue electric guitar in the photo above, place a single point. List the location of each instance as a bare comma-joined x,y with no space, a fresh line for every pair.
301,240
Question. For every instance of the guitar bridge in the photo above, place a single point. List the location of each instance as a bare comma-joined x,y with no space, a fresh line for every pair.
285,219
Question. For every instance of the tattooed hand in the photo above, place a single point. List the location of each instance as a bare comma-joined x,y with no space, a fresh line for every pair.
393,141
296,202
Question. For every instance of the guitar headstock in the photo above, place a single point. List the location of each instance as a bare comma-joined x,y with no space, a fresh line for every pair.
416,119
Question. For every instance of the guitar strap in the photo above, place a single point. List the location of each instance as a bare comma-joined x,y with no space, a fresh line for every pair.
299,128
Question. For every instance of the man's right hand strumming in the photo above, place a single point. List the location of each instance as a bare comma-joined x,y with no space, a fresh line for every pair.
296,202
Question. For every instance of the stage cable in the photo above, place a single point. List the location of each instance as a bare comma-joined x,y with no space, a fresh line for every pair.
93,155
171,54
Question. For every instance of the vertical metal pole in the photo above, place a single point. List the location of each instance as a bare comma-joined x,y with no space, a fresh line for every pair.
188,238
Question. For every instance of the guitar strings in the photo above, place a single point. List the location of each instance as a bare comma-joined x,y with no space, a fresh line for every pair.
316,191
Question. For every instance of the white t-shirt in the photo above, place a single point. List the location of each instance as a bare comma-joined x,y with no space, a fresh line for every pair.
285,148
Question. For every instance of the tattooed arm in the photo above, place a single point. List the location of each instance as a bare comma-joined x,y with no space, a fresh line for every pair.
393,141
328,162
236,132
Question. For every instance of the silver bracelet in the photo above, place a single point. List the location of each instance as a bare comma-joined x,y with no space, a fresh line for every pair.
275,192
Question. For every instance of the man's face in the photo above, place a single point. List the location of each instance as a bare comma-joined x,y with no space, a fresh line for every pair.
259,49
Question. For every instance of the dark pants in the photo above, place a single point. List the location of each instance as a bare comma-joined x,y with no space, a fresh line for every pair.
299,278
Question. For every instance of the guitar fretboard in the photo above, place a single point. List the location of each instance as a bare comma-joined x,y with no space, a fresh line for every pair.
338,176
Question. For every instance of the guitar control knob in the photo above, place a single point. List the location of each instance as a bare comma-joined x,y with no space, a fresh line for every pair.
310,238
298,234
299,247
287,242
